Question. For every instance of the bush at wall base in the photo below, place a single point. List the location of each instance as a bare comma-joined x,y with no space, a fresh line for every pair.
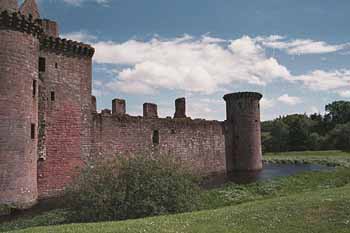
144,185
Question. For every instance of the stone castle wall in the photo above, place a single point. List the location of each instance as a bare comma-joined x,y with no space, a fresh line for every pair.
198,143
65,120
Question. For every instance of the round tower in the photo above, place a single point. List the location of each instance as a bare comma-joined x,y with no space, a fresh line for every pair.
19,55
243,135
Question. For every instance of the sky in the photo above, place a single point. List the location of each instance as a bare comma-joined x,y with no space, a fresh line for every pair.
295,52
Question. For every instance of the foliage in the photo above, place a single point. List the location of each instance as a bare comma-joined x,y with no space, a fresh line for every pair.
132,188
339,112
299,132
5,210
340,136
53,217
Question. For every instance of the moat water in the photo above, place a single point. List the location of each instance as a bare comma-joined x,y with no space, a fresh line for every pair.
270,171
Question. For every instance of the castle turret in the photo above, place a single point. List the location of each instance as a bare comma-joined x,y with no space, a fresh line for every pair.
29,7
8,5
19,53
243,136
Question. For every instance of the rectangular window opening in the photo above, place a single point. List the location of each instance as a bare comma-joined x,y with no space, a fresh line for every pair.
32,131
34,88
155,137
53,97
42,64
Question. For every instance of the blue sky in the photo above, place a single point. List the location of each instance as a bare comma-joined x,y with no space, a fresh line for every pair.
294,52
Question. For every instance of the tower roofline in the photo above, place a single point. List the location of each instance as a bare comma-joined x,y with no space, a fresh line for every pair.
239,95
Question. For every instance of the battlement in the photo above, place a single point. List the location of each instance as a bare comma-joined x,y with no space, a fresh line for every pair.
150,111
240,95
18,22
67,47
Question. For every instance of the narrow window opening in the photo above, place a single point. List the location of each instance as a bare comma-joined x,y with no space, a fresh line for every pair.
42,64
56,65
155,137
34,88
53,97
32,131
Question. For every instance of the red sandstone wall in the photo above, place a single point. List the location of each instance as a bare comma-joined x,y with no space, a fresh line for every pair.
198,142
18,110
66,121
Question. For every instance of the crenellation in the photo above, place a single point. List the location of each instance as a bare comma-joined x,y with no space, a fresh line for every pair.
180,108
118,107
150,110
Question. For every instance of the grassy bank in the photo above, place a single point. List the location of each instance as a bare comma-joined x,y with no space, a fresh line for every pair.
332,158
278,205
321,211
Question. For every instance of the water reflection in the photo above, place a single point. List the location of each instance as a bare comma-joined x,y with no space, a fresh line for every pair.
270,171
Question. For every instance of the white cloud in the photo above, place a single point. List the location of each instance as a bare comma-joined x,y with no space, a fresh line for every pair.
313,109
345,93
267,103
321,80
79,2
300,46
290,100
203,65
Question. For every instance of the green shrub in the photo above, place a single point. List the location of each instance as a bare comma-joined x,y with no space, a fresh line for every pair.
132,188
5,210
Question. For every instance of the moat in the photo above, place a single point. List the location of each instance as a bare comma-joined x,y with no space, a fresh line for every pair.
269,172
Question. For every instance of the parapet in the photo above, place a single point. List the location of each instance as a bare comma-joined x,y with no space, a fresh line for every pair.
106,112
240,95
19,22
67,47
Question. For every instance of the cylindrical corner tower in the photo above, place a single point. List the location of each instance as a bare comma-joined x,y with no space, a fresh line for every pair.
243,135
19,54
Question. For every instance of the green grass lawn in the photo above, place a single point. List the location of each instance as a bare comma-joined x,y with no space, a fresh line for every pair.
319,211
307,202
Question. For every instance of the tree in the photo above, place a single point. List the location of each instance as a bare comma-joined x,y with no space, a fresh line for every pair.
338,112
340,136
280,135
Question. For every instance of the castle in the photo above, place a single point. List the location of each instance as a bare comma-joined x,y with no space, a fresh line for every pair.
49,126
